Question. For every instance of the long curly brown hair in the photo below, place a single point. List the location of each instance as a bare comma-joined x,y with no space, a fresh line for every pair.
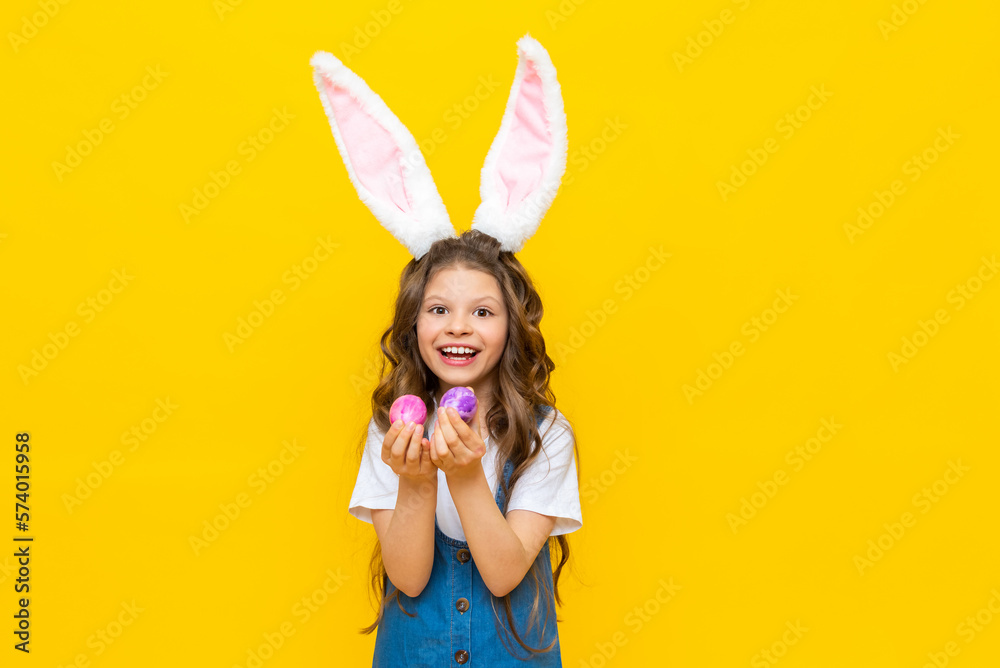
522,390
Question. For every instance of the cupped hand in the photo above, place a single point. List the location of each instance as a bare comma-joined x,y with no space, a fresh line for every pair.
455,447
407,452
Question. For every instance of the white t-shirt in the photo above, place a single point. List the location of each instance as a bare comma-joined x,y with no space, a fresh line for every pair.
548,486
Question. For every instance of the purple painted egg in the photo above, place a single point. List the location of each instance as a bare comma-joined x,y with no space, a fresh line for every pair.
408,408
462,399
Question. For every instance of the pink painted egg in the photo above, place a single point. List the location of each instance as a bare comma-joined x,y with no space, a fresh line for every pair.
408,408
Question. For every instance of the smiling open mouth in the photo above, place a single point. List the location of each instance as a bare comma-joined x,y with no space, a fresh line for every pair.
458,354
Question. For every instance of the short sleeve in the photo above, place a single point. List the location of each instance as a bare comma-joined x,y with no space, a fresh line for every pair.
377,485
549,484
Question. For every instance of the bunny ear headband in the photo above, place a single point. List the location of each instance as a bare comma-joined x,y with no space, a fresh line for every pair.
520,176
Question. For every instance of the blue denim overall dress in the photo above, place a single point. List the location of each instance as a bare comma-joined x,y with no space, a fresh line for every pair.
455,623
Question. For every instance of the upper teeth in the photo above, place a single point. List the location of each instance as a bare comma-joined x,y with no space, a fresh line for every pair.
458,350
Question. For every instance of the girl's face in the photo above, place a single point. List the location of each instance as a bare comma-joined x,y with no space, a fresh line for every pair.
463,307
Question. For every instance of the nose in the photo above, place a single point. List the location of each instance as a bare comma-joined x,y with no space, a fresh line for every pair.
458,324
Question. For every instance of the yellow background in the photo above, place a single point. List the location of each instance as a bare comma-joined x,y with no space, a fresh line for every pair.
661,473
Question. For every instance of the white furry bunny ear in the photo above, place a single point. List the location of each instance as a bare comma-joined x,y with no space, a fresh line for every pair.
528,157
382,158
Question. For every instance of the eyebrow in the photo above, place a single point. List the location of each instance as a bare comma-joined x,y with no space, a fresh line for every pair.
477,299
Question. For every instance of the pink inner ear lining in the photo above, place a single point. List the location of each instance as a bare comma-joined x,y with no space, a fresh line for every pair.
374,154
528,146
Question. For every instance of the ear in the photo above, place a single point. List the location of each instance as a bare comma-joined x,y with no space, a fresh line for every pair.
528,157
383,160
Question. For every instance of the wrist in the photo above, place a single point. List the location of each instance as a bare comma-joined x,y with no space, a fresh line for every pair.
420,487
459,481
414,484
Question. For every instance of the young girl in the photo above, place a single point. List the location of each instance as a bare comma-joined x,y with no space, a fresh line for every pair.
464,513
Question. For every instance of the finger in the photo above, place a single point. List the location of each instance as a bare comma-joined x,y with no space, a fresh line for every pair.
463,430
413,447
463,440
432,453
390,439
446,427
432,456
439,446
426,453
426,464
399,447
431,449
